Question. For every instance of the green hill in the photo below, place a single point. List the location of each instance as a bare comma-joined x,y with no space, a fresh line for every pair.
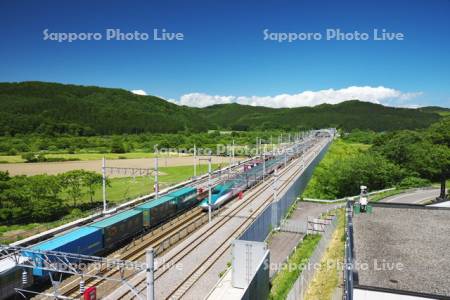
443,111
52,108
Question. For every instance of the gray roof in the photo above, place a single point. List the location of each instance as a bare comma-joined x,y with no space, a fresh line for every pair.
416,239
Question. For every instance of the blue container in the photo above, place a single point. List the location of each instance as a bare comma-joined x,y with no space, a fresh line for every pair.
183,192
119,227
84,240
157,210
185,197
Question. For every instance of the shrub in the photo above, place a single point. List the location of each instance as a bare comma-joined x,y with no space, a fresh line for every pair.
410,182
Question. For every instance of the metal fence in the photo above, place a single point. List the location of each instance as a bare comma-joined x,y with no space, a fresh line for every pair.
300,286
348,272
273,214
259,286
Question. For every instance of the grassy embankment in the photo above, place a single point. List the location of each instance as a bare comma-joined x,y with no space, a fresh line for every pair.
337,151
285,278
329,276
119,191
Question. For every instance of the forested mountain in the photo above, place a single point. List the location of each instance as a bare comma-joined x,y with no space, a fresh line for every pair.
51,108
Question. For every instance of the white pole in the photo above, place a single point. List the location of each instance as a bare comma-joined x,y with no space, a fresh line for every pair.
209,189
233,152
285,158
150,274
257,152
195,161
156,178
274,200
230,158
271,144
264,166
104,183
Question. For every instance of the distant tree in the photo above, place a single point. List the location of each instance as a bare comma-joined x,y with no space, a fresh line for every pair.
44,191
91,181
117,146
72,183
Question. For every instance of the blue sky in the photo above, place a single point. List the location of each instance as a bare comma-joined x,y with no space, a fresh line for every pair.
224,57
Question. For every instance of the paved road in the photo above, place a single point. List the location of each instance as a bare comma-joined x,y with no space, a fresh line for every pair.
413,197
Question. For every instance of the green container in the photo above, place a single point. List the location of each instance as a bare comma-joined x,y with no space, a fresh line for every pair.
369,209
356,209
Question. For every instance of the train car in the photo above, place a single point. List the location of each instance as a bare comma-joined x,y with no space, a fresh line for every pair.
186,197
219,195
84,240
156,211
119,227
11,277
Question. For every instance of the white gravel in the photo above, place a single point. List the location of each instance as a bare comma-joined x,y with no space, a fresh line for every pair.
416,242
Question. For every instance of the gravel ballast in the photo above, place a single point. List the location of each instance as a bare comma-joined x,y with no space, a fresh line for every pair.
403,249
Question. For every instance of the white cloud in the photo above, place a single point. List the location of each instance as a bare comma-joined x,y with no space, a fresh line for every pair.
139,92
380,94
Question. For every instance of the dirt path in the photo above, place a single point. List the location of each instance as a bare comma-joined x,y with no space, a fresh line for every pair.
95,165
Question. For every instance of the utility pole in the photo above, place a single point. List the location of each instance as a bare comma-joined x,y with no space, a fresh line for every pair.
233,152
156,177
195,161
274,200
150,274
104,184
264,165
209,188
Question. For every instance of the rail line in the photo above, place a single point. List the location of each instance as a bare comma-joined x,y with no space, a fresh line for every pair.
154,239
206,264
157,238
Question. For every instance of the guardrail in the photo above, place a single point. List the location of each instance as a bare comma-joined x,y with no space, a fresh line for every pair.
346,198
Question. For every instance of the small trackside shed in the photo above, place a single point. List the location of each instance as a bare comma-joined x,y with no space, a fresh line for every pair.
119,227
84,240
157,210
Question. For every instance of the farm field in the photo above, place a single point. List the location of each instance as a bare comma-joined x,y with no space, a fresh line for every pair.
52,168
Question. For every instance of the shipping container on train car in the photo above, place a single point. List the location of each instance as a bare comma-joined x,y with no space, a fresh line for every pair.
186,197
84,240
157,210
11,277
119,227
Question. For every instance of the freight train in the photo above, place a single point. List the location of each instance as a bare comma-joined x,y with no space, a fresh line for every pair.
102,236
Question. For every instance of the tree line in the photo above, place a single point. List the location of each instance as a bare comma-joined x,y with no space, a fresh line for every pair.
43,198
33,147
402,158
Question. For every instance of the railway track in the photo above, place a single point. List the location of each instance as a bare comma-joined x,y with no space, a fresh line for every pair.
154,239
216,253
159,238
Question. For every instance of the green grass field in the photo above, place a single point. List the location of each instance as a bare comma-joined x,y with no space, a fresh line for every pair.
120,190
126,188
